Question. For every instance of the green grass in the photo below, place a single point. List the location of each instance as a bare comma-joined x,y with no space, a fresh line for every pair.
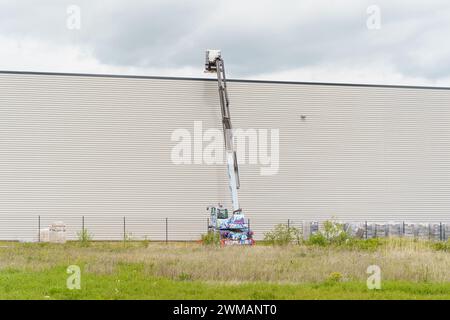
130,282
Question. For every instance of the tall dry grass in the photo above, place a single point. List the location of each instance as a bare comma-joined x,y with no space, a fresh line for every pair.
398,259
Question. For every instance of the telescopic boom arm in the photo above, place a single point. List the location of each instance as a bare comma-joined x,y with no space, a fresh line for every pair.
214,63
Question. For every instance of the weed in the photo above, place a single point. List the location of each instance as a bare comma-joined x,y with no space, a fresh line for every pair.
211,238
84,237
184,276
363,244
334,277
145,242
333,233
282,234
441,246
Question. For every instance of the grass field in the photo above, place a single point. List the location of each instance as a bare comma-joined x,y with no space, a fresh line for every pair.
142,270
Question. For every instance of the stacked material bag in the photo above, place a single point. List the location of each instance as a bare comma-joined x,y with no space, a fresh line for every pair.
55,233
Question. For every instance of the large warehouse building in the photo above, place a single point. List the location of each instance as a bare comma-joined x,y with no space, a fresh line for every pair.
106,148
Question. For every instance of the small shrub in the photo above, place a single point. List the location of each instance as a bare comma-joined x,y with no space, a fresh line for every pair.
84,237
441,246
128,240
365,244
282,234
334,277
211,238
333,233
184,276
145,242
317,239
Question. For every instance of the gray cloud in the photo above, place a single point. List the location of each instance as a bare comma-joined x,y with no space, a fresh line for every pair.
257,37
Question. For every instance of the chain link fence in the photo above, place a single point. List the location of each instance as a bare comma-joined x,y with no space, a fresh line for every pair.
107,228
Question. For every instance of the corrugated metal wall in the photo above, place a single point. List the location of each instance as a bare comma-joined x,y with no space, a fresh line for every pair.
101,147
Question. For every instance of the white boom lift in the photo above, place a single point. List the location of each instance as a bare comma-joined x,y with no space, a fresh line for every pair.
234,229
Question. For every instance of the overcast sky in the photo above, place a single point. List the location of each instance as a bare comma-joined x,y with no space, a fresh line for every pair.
325,41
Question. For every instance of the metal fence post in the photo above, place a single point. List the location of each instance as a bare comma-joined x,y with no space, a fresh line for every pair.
366,231
429,231
167,230
248,223
124,230
82,224
440,231
403,228
288,224
39,228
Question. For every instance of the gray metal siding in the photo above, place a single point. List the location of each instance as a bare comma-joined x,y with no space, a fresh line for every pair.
100,147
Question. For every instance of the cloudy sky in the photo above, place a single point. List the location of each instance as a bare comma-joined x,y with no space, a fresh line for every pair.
325,41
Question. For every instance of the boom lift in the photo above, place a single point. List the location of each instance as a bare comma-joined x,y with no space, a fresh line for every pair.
234,229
